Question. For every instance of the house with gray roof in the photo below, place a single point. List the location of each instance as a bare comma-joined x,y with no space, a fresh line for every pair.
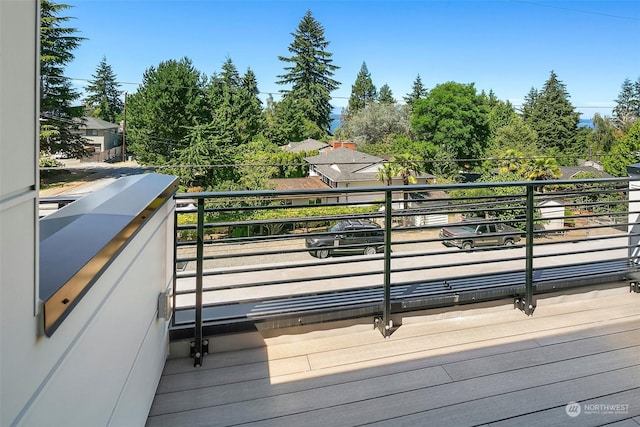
101,135
343,168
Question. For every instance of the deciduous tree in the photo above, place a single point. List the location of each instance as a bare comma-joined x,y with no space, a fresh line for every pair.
454,117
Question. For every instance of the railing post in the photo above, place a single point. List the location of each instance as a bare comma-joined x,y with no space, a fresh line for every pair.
526,303
197,349
385,324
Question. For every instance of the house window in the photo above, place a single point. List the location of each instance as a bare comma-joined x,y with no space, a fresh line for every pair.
92,132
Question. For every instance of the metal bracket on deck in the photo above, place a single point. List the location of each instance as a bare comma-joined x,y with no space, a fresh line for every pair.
385,330
634,287
199,355
521,304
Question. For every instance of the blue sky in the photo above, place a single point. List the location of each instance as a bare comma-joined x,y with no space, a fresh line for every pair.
505,46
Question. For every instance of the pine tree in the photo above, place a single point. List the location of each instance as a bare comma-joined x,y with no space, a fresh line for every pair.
386,96
310,73
363,91
59,119
418,90
555,119
103,100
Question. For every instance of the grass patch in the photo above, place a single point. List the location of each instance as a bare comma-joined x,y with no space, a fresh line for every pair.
54,178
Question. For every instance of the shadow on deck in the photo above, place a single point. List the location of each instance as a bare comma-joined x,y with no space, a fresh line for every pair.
485,364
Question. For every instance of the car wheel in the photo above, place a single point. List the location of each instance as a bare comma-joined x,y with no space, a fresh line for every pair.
370,250
509,242
322,253
466,246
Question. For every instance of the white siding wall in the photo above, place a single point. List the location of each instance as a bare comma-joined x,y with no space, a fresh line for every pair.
102,365
18,196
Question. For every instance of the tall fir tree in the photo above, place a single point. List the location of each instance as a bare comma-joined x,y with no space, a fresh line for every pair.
363,91
59,118
103,98
310,73
386,95
529,103
556,121
418,90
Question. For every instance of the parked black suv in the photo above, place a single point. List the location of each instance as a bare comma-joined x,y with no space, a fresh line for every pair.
358,236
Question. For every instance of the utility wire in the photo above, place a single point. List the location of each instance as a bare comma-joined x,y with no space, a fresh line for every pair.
590,12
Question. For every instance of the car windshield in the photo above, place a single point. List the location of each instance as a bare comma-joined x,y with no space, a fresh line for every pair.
337,227
468,228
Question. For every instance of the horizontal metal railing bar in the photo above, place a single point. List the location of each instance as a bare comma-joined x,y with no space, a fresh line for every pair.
589,219
511,281
393,188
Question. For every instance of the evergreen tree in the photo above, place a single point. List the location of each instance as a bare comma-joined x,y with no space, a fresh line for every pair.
103,94
529,105
386,96
59,119
555,119
160,114
418,90
363,91
627,109
310,73
235,108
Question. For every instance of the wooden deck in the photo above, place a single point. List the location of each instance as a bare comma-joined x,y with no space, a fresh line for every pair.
481,366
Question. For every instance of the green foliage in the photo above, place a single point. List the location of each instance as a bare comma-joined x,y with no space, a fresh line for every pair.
103,94
453,116
309,73
540,169
492,201
47,162
627,109
363,91
386,96
515,136
161,113
375,123
287,121
235,109
552,116
59,119
603,136
418,90
624,152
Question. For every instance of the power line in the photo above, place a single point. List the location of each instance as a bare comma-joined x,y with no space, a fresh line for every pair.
553,6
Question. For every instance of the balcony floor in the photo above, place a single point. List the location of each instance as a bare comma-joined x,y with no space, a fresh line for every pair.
483,365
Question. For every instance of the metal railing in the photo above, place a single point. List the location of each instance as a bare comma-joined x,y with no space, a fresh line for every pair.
242,260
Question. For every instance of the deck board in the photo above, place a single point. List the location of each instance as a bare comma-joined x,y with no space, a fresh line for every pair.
485,367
